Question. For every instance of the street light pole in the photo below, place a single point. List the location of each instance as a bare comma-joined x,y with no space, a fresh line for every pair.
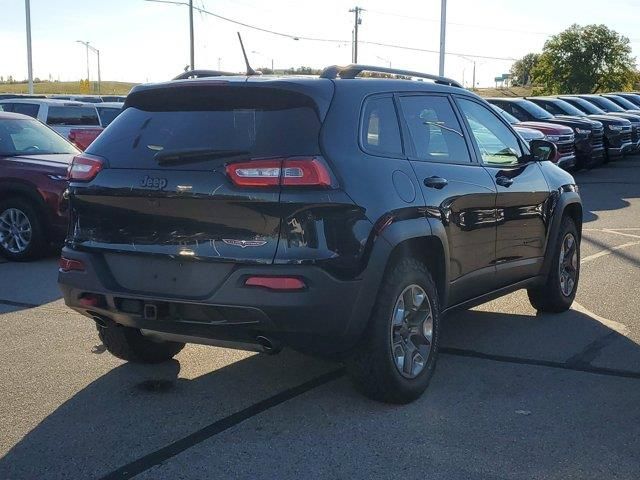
191,33
27,8
443,27
97,52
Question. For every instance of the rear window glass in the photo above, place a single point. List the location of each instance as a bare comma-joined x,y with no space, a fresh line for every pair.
249,122
30,109
72,116
381,132
107,114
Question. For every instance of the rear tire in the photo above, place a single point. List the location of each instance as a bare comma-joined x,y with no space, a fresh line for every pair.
559,290
21,232
129,344
377,367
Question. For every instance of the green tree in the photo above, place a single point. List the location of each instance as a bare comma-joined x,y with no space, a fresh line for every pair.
522,69
585,60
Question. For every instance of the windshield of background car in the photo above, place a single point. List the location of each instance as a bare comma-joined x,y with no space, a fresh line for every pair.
587,107
535,110
30,137
624,103
607,104
568,109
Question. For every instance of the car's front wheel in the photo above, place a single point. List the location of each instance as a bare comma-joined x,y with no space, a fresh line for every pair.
397,356
559,290
21,233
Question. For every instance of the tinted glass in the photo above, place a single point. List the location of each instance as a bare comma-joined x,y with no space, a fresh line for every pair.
506,115
108,115
623,102
535,110
497,144
605,104
380,129
568,109
583,105
435,131
30,137
251,122
30,109
72,116
550,107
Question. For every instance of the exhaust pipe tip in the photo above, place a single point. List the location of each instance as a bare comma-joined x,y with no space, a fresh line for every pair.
269,346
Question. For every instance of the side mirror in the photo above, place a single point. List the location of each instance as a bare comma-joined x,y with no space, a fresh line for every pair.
543,150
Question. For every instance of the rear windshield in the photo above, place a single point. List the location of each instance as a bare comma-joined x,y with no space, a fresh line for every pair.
108,114
244,121
72,116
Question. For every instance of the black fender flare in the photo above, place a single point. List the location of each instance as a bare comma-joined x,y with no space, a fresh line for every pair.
565,199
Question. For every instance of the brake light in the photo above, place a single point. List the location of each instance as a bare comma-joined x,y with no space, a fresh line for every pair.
84,167
288,172
69,265
276,283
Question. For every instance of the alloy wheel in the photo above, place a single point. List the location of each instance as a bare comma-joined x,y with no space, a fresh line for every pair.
568,264
15,230
411,331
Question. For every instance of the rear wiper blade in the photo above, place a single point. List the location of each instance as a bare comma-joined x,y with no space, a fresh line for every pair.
170,157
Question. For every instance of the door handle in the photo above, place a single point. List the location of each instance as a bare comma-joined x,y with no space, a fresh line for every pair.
435,182
504,181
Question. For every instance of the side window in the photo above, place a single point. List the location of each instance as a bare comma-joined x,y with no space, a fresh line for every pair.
551,108
30,109
7,107
497,144
380,130
435,131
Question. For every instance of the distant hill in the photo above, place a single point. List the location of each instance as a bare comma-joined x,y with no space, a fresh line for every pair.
505,92
107,88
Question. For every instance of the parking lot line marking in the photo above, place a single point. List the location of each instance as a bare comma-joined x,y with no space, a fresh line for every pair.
607,251
609,230
155,458
621,328
541,363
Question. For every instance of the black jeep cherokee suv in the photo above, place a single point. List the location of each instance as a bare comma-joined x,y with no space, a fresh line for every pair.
337,215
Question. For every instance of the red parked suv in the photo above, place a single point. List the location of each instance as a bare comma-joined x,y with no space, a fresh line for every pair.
33,176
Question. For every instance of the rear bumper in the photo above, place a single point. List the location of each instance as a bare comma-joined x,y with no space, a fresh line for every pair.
316,319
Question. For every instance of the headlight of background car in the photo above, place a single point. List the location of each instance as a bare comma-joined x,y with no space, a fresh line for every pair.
615,128
553,138
582,131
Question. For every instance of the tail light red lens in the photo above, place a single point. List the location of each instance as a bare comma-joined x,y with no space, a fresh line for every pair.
84,168
69,265
288,172
276,283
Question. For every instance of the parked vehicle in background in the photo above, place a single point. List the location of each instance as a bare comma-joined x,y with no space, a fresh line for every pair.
618,132
5,96
563,137
79,98
607,105
113,98
33,176
108,111
589,134
388,203
632,97
591,108
75,121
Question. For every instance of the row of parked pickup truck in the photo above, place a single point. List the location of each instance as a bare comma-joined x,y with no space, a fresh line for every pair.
587,129
80,121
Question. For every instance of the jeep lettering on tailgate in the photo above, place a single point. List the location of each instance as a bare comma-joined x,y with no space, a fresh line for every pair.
153,183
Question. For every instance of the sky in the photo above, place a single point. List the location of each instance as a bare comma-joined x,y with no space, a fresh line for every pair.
141,41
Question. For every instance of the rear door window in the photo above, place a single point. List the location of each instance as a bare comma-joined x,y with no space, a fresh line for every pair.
30,109
380,129
435,132
207,127
69,116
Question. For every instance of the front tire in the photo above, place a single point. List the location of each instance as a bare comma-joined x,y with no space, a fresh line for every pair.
397,356
21,233
129,344
559,290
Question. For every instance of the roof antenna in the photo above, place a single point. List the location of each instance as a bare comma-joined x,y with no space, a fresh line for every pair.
250,71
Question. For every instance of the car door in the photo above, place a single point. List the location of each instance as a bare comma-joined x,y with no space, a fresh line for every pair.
522,193
459,194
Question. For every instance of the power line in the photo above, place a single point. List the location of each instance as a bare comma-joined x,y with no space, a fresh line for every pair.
328,40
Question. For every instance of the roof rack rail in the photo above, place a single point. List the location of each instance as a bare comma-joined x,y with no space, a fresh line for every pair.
202,74
353,70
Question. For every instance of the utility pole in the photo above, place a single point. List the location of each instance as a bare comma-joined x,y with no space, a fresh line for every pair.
473,87
97,52
27,8
443,27
357,20
191,33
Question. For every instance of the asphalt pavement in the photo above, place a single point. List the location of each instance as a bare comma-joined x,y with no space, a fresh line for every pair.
516,395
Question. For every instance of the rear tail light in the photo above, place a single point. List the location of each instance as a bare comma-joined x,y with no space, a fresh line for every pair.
69,265
288,172
276,283
85,167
